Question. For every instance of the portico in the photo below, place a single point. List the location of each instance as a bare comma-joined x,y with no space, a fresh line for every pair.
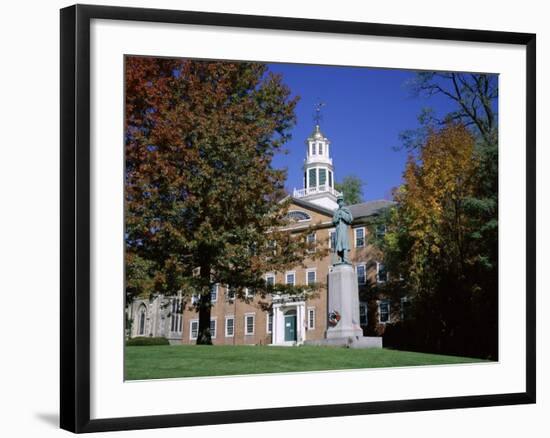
289,320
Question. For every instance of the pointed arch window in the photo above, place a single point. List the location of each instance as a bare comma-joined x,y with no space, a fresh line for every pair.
142,316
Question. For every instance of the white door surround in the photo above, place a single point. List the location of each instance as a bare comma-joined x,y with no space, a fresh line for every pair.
279,311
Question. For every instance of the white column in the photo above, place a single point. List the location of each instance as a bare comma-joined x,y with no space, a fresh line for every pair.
300,323
278,325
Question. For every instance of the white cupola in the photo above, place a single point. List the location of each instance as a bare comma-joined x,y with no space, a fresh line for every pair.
318,172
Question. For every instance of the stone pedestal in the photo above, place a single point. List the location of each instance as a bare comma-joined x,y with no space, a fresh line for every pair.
343,298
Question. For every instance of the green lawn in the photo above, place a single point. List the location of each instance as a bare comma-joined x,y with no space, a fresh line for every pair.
159,362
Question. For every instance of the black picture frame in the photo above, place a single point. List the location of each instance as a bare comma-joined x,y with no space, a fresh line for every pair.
75,217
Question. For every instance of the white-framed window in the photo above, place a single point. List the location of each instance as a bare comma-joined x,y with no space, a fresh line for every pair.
230,293
361,271
229,326
332,238
290,278
311,318
311,276
249,323
381,273
194,299
363,318
270,279
248,293
311,238
269,322
214,293
384,310
193,329
359,237
213,327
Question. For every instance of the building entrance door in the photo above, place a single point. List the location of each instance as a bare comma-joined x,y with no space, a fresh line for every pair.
290,326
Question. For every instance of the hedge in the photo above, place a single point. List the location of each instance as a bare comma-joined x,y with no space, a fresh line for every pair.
144,341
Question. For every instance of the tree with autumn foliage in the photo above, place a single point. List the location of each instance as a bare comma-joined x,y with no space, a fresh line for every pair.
433,246
203,202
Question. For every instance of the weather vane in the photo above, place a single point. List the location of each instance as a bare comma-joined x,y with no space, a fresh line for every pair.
317,116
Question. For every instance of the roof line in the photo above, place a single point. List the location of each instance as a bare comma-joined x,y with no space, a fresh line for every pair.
312,206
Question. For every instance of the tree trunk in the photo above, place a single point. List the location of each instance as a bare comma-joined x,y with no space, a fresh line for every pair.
204,336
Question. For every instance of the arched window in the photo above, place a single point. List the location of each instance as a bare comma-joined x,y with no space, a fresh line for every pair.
298,216
142,314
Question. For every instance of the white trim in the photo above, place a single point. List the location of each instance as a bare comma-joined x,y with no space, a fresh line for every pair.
300,211
290,273
227,290
216,292
246,315
270,275
247,293
379,302
378,271
309,320
355,237
364,265
269,314
308,270
314,234
215,321
228,317
191,329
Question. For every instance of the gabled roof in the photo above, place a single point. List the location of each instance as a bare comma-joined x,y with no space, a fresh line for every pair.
311,206
369,208
358,211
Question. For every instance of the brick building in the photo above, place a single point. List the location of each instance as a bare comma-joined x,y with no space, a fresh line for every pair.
287,320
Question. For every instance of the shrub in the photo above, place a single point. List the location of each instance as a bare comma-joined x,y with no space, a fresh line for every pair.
145,341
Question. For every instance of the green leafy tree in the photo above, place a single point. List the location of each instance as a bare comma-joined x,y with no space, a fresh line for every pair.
352,188
203,202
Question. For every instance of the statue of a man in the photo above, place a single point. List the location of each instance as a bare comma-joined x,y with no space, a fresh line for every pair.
342,220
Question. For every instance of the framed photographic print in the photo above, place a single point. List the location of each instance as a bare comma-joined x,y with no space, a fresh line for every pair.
290,218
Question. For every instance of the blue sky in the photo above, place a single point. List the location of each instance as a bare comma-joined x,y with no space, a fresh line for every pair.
365,111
